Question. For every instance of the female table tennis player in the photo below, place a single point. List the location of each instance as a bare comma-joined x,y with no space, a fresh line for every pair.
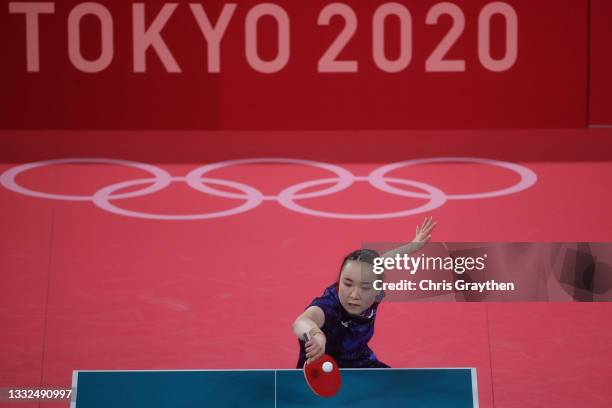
341,321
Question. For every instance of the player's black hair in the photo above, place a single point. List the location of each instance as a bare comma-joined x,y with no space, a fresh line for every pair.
361,255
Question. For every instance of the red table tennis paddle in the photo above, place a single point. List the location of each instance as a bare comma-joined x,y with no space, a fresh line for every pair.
324,384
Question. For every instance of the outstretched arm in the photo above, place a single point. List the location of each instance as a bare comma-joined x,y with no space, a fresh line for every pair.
310,322
423,234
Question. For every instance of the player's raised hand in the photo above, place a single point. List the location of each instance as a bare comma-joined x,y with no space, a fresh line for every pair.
423,233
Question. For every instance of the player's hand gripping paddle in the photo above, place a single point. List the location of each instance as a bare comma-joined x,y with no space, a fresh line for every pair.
322,375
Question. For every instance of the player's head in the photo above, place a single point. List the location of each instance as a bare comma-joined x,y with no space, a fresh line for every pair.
355,281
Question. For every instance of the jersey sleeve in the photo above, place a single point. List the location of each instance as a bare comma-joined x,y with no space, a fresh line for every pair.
328,302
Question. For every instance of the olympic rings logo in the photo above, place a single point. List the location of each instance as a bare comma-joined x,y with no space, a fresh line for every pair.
252,197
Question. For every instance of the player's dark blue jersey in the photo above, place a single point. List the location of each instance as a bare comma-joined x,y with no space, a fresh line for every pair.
347,335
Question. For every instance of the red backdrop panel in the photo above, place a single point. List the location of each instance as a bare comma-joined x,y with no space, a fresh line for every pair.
600,97
544,86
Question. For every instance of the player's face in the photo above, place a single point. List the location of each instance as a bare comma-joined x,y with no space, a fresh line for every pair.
355,288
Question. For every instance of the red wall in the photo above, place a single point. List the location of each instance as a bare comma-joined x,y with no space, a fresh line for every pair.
544,87
600,86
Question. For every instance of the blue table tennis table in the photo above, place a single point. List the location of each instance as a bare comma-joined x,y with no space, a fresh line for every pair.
396,387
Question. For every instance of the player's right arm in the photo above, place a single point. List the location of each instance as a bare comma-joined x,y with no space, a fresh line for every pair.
311,322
